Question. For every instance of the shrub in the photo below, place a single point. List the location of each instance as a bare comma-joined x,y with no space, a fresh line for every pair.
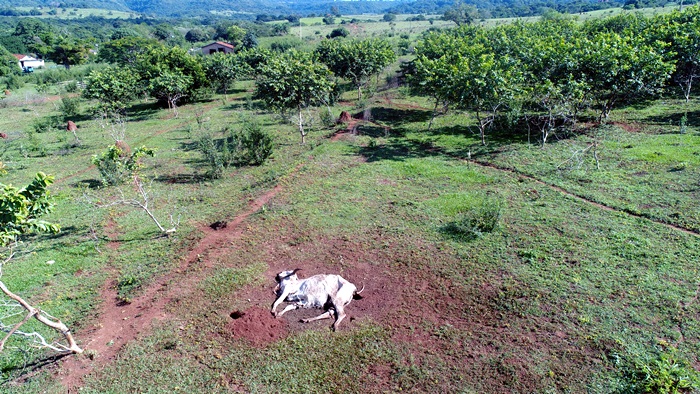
339,32
117,164
475,222
249,146
69,107
662,373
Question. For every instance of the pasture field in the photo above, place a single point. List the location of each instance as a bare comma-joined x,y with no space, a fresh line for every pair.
564,267
589,275
77,13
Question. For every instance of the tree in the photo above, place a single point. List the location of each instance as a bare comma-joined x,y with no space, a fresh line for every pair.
389,17
681,30
20,214
69,52
483,83
294,81
196,35
113,87
328,20
621,69
170,86
224,69
8,63
356,60
461,14
235,35
125,51
338,32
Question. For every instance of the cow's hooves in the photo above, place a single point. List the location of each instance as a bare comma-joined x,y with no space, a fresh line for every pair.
303,321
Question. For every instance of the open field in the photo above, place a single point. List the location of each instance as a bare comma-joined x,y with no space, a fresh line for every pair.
77,13
565,295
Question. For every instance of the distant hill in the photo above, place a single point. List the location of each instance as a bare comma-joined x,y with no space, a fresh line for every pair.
250,8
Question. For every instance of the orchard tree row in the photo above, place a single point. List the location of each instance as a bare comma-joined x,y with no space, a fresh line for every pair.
550,71
291,81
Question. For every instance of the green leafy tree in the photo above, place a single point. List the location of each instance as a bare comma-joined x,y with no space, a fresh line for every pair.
117,164
235,35
483,83
170,86
356,60
69,52
681,30
294,81
20,214
113,87
621,68
461,14
196,35
389,17
125,51
8,63
224,69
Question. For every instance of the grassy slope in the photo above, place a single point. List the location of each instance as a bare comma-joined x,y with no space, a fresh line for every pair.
539,304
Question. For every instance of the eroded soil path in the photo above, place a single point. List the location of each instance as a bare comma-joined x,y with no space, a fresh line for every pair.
120,322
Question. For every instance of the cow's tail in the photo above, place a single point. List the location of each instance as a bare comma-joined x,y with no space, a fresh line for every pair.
356,295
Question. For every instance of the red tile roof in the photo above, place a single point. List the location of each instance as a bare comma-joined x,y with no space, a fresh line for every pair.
19,57
225,44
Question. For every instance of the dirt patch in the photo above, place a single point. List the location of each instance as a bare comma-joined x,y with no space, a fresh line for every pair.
257,326
120,322
629,127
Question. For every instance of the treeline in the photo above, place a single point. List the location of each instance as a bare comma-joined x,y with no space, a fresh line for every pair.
548,73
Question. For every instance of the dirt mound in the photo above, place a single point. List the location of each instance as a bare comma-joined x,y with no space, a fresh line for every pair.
257,326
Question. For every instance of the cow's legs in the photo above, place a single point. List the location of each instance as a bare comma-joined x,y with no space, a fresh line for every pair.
326,315
340,315
287,309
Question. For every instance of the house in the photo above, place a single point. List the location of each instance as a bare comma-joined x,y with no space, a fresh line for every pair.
26,61
218,46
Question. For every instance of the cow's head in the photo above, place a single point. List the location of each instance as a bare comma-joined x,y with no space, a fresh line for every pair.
285,277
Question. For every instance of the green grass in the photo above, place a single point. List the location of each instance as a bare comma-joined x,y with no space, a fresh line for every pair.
542,303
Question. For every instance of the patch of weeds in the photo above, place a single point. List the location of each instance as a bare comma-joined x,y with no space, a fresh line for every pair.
226,280
248,146
663,372
126,284
474,223
327,118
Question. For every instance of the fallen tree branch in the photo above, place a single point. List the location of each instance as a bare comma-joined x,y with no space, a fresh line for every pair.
44,319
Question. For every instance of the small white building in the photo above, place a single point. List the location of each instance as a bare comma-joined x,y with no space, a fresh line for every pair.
28,61
218,46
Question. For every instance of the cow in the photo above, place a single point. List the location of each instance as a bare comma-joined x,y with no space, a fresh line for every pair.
329,292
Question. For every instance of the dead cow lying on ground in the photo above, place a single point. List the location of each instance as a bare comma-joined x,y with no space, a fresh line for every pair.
330,292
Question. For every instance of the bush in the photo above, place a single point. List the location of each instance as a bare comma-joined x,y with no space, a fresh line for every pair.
339,32
475,222
662,373
46,124
117,164
69,107
250,146
13,82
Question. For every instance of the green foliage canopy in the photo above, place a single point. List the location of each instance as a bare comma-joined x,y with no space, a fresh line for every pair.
356,60
294,81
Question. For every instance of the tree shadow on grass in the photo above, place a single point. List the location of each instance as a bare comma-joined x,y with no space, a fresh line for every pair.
143,111
397,150
674,119
183,178
397,116
17,374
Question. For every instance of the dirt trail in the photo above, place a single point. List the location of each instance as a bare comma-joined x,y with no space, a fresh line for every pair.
120,322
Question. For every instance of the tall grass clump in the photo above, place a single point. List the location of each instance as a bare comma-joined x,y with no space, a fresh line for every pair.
483,217
248,146
661,373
